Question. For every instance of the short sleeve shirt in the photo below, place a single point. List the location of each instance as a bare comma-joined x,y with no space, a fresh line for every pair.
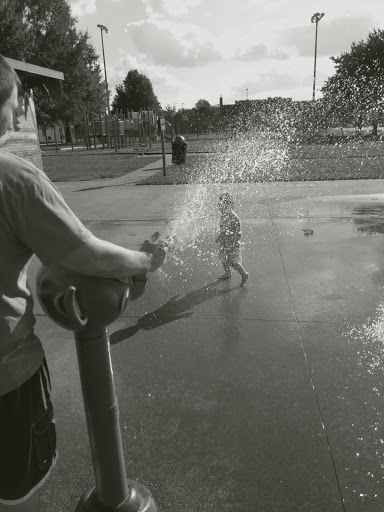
230,230
34,219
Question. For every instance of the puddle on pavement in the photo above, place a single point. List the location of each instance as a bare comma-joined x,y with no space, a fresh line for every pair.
369,209
367,220
373,221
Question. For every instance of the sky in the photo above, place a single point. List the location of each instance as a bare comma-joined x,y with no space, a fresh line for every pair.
204,49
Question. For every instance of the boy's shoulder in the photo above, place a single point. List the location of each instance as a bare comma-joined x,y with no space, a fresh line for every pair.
13,167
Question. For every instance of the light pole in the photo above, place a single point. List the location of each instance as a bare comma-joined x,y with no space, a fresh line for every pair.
315,19
103,28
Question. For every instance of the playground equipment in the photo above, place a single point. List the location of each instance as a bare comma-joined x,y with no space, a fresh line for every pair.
87,305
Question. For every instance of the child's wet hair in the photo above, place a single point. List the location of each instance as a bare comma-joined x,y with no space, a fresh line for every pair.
226,198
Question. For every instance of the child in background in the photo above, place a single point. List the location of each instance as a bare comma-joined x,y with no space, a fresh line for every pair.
229,239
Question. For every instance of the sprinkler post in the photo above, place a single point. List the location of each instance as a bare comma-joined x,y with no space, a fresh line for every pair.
87,305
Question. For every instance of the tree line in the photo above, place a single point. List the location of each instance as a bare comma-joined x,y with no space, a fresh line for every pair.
44,32
352,97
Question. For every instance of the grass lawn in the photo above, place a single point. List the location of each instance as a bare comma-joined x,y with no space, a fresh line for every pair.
310,162
305,163
97,166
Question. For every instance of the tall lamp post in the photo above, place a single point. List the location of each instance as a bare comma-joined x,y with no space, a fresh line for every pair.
103,28
315,19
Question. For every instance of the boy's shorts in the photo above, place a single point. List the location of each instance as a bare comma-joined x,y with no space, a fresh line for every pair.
27,438
229,255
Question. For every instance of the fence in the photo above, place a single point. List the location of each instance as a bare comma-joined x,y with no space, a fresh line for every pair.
106,131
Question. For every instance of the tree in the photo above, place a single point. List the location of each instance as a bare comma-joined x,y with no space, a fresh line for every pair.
358,84
43,32
203,116
135,93
203,106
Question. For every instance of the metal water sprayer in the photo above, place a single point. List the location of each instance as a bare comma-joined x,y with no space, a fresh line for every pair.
86,305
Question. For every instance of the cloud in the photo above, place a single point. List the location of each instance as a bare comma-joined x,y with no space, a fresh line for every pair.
162,80
259,52
82,7
173,44
334,36
166,8
266,83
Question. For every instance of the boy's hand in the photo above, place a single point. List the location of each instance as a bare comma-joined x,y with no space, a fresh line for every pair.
157,251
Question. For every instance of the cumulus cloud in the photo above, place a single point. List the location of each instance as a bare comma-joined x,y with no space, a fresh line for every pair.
162,80
334,36
170,44
82,7
259,52
266,83
165,8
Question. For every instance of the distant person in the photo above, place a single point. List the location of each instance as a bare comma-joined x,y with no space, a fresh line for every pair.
229,239
35,219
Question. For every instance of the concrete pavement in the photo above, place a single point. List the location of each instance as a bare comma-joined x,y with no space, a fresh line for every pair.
266,398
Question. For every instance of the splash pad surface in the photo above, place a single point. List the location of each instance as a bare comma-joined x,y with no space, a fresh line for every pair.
263,398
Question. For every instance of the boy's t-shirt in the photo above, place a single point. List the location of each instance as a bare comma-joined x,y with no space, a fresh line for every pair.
34,219
230,230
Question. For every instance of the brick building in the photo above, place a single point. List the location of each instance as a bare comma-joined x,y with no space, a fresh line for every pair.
25,141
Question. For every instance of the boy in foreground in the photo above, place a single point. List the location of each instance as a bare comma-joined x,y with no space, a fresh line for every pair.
229,239
35,219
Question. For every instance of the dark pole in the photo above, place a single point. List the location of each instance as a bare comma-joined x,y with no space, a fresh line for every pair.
116,128
314,67
163,152
54,130
85,130
315,19
102,27
103,430
93,130
149,129
101,129
72,131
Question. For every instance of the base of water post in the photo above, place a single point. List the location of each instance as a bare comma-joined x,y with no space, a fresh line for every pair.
140,500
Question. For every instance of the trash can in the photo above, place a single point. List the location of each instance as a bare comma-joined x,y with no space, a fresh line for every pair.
179,150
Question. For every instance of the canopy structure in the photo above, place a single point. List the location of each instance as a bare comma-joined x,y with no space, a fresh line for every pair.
24,141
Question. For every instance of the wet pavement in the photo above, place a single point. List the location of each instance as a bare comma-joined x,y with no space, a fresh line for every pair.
266,398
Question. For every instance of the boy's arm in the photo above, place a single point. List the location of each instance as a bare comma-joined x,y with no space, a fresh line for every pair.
41,219
104,259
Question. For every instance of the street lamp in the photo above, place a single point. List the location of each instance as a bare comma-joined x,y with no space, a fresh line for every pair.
315,19
103,28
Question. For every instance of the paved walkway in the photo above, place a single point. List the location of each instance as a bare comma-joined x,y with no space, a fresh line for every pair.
259,399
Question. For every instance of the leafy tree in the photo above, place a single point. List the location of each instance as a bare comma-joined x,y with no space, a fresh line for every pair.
358,84
203,106
43,32
16,39
135,93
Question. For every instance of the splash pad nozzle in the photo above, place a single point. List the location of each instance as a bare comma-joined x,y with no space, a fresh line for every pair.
87,305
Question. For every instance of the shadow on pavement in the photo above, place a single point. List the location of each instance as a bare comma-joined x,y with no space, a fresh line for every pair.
115,184
173,310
